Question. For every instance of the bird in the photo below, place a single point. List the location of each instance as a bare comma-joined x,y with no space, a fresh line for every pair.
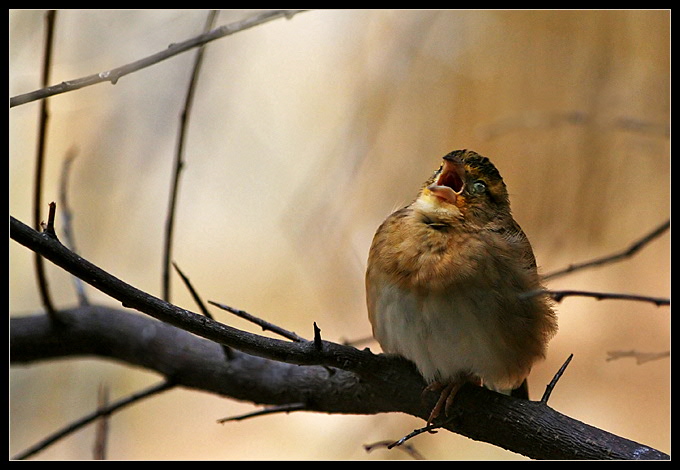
445,280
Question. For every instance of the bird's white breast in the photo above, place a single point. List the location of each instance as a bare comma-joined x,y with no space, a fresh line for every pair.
446,334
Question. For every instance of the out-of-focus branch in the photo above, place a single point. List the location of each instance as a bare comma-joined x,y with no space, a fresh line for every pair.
67,219
614,257
559,295
102,432
115,74
102,411
640,357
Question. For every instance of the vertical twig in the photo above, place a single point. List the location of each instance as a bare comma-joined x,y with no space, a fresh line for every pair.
67,219
40,159
102,431
179,162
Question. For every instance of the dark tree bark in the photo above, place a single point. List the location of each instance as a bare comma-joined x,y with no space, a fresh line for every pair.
322,376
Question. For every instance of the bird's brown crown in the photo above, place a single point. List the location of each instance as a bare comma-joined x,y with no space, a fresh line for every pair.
468,185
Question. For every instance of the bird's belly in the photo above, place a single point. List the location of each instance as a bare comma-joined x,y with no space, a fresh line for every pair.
446,335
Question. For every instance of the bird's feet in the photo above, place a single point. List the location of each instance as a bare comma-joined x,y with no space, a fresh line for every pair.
447,393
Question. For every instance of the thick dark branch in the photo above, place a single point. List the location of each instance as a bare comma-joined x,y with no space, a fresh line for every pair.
193,362
365,383
529,428
303,353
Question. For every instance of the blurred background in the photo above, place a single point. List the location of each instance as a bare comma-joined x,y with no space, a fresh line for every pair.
305,134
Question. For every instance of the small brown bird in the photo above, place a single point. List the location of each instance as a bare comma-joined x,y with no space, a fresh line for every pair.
444,282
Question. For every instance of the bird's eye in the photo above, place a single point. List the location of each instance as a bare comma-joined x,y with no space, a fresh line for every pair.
478,187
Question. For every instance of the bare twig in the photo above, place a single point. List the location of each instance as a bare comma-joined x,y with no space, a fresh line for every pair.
409,449
179,159
115,74
101,435
48,227
618,256
559,295
85,420
640,357
192,291
40,163
265,325
228,353
266,411
549,388
431,428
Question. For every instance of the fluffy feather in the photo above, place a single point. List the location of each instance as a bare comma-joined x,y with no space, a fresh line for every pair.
444,280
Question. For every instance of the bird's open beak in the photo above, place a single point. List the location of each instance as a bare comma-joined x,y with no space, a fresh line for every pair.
449,184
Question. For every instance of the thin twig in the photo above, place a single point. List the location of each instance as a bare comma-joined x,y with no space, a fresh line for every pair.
266,411
228,352
115,74
559,295
67,221
48,227
193,292
45,296
265,325
409,449
549,388
102,432
640,357
85,420
179,159
416,432
618,256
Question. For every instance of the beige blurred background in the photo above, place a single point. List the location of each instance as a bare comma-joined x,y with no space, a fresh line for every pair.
305,134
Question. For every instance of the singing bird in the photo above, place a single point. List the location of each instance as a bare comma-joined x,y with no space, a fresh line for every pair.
445,279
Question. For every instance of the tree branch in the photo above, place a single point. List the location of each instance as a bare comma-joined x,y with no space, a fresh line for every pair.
559,295
263,370
614,257
302,353
179,160
115,74
46,298
102,411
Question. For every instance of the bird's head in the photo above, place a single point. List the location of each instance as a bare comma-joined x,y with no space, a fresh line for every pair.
466,187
